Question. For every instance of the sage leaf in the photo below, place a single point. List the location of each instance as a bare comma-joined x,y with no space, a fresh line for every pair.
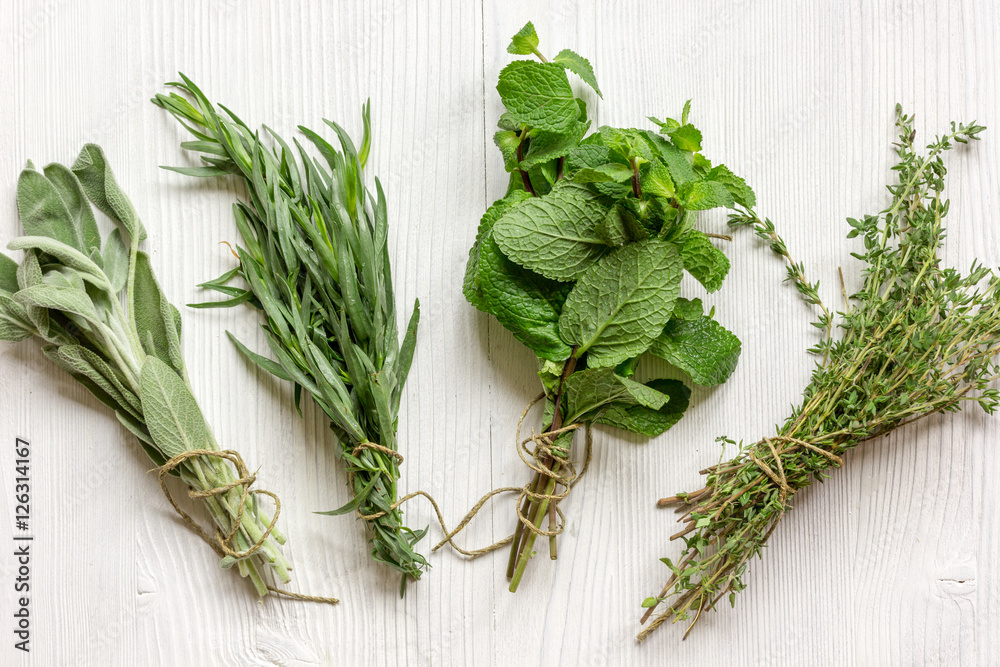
8,274
116,261
700,347
157,322
172,415
619,306
554,235
98,181
82,217
68,255
52,297
43,212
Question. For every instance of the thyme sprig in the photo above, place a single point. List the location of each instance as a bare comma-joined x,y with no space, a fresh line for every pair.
315,257
918,339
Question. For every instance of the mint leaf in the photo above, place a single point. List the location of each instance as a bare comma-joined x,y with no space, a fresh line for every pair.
589,391
706,263
580,66
538,95
677,161
737,187
554,235
526,304
626,143
587,155
470,284
619,306
687,138
685,112
525,42
545,146
687,309
702,348
612,229
647,421
703,195
656,181
508,141
612,172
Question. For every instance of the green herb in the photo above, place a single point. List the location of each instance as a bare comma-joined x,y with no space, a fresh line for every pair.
918,339
316,262
68,292
582,261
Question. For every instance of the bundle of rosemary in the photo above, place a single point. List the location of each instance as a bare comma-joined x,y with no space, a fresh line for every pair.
67,291
918,339
316,262
582,261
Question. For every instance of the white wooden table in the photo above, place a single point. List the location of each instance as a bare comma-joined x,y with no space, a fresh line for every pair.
894,561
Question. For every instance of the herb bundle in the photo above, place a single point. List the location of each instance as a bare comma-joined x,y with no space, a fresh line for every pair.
582,261
315,258
918,339
67,291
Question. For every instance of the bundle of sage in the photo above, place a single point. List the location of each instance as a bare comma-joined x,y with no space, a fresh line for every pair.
101,316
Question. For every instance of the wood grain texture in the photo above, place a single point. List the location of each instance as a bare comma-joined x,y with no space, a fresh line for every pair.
896,560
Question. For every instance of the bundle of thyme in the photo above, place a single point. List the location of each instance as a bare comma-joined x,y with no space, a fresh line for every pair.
316,262
918,339
68,292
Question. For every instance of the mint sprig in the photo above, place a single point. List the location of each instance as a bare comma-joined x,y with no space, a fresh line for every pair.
583,259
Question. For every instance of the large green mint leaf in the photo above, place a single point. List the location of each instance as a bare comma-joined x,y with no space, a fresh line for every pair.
702,348
704,261
545,146
580,66
470,285
678,162
737,187
619,306
525,303
686,137
590,391
647,421
612,172
538,95
554,235
703,195
525,42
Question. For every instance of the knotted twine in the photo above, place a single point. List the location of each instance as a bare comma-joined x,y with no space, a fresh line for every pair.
541,458
778,476
221,544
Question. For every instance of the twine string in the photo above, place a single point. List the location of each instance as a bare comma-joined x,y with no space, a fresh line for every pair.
221,543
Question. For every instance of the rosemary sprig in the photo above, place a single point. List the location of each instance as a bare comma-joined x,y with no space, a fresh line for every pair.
316,260
101,316
918,339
